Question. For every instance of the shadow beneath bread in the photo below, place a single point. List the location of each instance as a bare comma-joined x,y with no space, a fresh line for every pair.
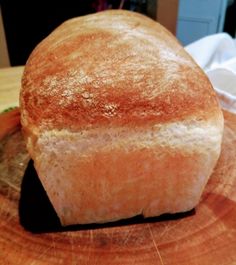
37,214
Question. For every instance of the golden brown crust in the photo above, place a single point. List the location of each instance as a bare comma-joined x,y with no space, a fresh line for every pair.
112,68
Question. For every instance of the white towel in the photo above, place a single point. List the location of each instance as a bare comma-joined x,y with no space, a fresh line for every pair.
216,55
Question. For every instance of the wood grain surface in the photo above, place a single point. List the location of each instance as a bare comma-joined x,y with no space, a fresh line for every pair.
30,232
10,84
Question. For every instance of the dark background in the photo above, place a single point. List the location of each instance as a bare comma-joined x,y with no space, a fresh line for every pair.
230,20
26,23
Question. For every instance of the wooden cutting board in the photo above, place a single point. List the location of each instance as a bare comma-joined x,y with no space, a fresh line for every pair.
31,234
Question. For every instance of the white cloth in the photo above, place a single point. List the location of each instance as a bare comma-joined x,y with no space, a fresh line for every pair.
216,55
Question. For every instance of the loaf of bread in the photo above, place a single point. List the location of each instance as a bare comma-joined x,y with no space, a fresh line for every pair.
119,119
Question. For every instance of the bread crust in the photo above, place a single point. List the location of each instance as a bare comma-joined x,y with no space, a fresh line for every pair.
112,68
107,174
118,119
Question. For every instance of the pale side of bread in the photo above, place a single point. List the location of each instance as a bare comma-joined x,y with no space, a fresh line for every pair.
118,119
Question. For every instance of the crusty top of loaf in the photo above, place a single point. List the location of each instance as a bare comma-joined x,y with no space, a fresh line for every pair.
112,68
